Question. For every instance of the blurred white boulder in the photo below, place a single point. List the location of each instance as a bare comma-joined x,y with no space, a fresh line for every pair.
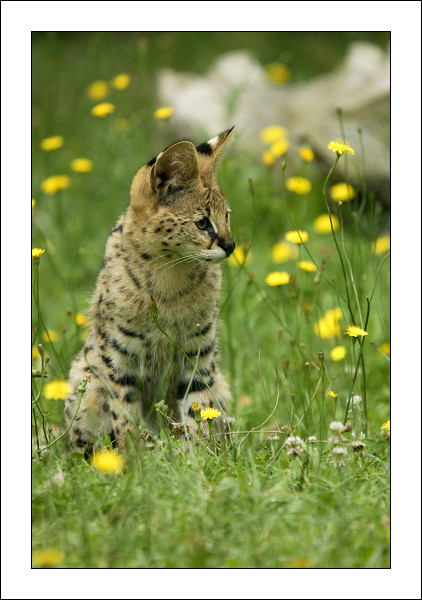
236,91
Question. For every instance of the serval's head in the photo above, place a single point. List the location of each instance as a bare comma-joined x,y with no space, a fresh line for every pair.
177,206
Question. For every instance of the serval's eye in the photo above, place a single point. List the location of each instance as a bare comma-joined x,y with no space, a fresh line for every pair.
203,223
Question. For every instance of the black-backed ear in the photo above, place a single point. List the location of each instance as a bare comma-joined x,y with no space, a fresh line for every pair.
215,146
178,164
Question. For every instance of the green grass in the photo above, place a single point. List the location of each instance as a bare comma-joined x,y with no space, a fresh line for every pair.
252,505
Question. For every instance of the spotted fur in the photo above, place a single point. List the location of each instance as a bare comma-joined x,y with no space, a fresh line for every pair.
166,246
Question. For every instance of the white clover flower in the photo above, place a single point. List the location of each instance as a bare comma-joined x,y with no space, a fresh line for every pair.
361,437
294,440
339,452
294,445
311,438
337,426
358,446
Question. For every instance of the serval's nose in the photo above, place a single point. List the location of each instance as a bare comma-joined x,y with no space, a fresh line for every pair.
227,244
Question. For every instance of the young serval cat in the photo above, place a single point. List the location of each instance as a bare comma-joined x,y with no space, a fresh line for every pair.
167,246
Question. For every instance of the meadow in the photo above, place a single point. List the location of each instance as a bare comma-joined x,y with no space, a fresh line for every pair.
304,334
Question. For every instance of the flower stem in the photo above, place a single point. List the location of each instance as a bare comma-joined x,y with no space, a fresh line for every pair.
81,391
283,187
335,237
360,357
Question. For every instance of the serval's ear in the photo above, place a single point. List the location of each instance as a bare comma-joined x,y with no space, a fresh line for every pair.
177,165
210,153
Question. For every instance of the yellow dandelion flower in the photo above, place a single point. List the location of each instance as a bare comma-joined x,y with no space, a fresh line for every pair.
36,253
196,406
338,353
299,185
210,413
237,258
121,81
57,389
332,394
282,251
354,331
47,557
328,326
307,265
103,109
107,462
82,165
52,143
163,113
340,146
277,72
50,335
98,90
81,320
35,353
381,245
33,203
277,278
299,563
385,348
55,183
272,134
322,223
342,192
268,158
386,425
297,236
279,148
306,154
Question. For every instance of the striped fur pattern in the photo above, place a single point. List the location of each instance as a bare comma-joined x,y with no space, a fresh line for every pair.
167,246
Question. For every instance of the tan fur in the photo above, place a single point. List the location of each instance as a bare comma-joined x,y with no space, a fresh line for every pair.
157,251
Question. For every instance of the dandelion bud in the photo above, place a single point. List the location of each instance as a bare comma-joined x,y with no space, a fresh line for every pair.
41,350
283,165
321,357
85,380
179,429
317,278
36,254
292,397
